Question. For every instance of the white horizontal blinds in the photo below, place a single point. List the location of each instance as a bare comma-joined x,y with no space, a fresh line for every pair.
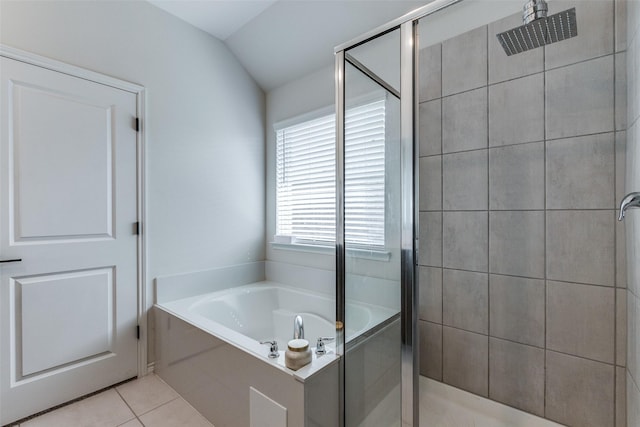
306,181
364,174
306,178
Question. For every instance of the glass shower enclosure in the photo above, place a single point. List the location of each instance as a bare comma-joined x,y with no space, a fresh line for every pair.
376,228
507,216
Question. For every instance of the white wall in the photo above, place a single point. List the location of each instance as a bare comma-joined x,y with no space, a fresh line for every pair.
310,93
205,122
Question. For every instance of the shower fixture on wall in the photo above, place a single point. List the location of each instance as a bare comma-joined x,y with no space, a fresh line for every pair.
631,200
538,29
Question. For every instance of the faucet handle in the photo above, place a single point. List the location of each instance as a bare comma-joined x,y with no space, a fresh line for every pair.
273,349
320,348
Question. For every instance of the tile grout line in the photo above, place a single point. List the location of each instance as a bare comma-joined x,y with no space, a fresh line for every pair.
138,416
564,353
544,70
518,144
544,184
522,276
524,210
160,406
441,216
488,221
126,403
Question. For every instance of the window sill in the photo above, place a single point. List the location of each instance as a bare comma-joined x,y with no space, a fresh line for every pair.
376,255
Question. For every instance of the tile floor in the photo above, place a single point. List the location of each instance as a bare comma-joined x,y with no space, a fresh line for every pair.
147,402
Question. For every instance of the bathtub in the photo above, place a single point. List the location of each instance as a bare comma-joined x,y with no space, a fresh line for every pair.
246,315
208,349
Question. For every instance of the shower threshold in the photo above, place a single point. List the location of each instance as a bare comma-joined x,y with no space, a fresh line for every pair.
442,405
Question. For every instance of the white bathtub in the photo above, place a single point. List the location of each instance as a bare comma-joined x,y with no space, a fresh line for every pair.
245,315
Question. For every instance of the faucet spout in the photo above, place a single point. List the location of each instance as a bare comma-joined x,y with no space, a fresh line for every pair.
298,328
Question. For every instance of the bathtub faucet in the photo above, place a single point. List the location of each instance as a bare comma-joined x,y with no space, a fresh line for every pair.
298,328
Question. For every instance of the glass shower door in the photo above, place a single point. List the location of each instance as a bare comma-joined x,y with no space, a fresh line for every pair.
374,208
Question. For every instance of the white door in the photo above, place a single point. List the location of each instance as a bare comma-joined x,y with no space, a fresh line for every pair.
68,193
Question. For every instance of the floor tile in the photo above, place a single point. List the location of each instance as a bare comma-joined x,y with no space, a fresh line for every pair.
146,393
106,409
175,413
132,423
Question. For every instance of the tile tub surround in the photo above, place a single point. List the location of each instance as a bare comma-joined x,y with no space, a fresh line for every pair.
372,375
521,168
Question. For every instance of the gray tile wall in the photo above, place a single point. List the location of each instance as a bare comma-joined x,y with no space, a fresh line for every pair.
521,169
631,225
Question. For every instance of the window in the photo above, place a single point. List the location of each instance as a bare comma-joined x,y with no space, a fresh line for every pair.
305,175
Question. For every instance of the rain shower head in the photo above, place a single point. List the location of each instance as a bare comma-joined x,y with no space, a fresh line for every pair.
538,29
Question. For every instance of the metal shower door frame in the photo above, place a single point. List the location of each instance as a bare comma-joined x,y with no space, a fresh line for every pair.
409,125
410,387
409,231
413,16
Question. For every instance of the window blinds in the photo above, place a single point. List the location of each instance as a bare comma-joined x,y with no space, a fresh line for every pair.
364,174
306,178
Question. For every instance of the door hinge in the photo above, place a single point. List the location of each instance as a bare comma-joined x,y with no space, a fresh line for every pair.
137,124
137,331
136,228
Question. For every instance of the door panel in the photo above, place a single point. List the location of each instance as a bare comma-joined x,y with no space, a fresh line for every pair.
68,192
42,165
86,295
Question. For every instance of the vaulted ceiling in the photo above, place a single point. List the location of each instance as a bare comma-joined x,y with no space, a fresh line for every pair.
278,41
